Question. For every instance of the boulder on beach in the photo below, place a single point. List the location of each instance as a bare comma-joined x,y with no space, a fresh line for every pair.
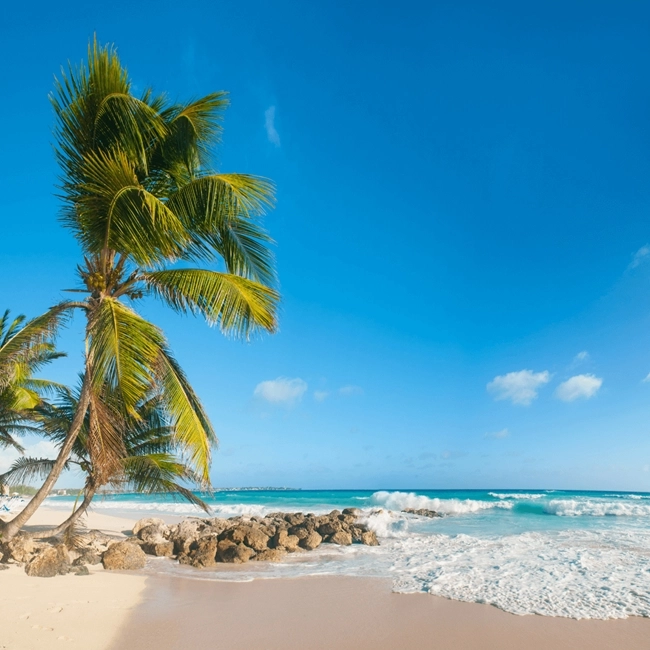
49,562
124,556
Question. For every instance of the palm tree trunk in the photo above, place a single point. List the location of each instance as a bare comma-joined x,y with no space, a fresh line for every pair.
10,528
52,532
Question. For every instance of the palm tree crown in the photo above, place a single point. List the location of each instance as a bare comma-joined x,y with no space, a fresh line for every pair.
145,207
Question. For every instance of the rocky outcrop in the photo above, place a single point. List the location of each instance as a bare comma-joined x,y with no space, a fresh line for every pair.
125,556
203,543
200,543
422,512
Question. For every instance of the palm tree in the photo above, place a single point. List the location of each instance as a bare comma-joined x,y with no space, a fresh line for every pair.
150,463
25,347
152,220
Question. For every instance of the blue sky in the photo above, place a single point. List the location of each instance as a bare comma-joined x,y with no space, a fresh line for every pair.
462,228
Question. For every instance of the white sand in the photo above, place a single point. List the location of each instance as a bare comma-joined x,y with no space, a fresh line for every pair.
73,612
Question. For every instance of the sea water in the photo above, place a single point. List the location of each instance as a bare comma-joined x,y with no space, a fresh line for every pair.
555,553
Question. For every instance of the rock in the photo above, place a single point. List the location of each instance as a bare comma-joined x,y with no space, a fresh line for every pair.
422,512
186,533
369,538
98,542
282,539
357,532
164,548
295,519
234,553
352,511
270,555
217,526
256,539
342,538
124,556
153,534
300,532
19,548
3,567
204,555
330,528
312,541
146,522
81,570
49,562
87,556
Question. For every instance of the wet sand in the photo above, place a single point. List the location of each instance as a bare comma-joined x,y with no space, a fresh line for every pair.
345,613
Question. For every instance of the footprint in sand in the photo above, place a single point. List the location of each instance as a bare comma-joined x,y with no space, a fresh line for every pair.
55,610
40,627
24,617
64,638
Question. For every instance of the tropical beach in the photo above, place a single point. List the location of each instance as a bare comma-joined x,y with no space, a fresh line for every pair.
325,326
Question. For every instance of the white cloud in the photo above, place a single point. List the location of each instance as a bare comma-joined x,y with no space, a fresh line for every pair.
350,390
521,387
647,378
40,449
281,390
581,356
639,256
320,395
498,435
580,386
269,124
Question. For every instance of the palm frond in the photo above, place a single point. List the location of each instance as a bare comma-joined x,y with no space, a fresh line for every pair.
24,470
123,350
113,210
238,305
160,473
24,343
193,432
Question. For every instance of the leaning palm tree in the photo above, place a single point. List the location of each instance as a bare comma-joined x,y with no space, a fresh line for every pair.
150,463
153,220
25,347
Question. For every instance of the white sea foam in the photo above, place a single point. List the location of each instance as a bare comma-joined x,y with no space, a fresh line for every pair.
401,500
577,574
595,508
515,495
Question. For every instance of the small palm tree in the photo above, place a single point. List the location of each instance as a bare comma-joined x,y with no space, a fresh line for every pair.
150,462
153,220
25,347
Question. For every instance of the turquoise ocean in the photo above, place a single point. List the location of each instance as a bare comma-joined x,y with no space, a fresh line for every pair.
549,552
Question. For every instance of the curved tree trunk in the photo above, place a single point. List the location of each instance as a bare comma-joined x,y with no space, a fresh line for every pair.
10,528
71,520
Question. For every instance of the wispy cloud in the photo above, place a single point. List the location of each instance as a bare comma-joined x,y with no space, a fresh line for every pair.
40,449
647,379
520,387
269,123
498,435
581,356
579,387
640,256
320,395
347,391
282,390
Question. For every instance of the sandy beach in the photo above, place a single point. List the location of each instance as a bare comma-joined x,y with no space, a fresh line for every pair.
112,611
74,612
